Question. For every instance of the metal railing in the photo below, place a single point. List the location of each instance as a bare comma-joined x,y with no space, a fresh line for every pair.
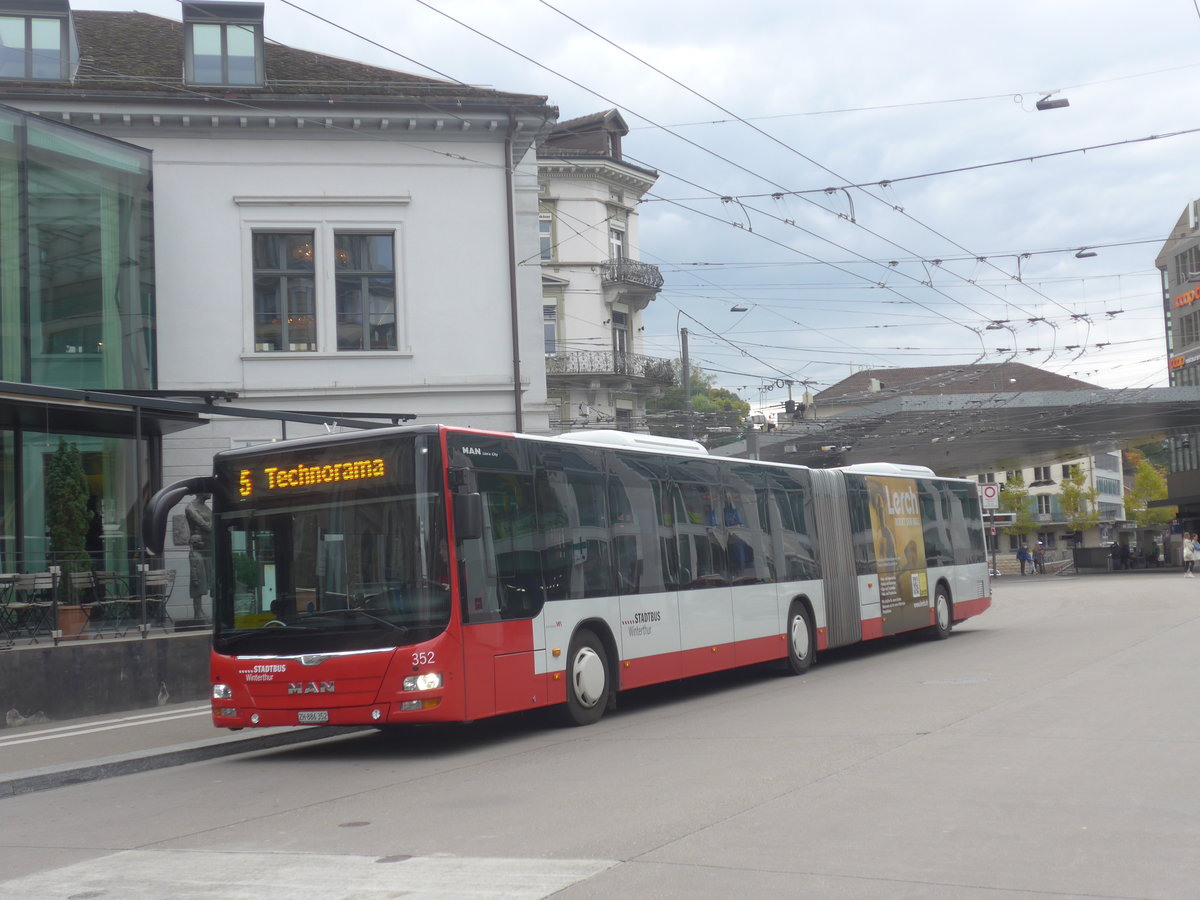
607,362
52,599
631,271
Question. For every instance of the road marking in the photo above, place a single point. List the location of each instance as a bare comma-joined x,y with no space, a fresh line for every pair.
71,731
202,875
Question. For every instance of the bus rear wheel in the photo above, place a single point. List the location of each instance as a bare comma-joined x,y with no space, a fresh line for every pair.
588,681
943,614
802,648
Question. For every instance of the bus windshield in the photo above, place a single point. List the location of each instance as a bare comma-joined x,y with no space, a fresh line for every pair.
344,564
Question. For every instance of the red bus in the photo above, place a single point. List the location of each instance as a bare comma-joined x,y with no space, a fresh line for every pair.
433,573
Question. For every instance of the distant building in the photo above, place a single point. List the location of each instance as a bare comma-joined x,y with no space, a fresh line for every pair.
1102,470
1179,264
872,385
594,287
1043,478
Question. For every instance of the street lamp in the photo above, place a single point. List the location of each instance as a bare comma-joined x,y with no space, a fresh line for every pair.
1047,103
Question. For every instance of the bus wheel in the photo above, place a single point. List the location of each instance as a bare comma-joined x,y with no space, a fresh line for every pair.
942,614
801,646
588,684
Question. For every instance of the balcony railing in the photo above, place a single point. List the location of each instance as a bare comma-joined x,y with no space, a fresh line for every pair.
631,271
606,362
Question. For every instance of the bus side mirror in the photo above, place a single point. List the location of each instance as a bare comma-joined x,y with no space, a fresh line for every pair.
468,517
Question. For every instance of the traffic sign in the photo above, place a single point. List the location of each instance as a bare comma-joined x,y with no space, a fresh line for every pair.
990,495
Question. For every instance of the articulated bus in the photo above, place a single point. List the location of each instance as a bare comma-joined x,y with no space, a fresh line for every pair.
442,574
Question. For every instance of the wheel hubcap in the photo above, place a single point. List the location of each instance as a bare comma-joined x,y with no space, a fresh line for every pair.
943,610
587,676
800,644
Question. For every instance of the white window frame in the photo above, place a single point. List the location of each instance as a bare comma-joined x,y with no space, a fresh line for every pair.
550,317
617,241
284,214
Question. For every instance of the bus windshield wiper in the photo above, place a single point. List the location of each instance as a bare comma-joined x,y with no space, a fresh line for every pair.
403,629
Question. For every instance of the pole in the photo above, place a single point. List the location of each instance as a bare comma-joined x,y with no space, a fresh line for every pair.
685,372
994,537
509,187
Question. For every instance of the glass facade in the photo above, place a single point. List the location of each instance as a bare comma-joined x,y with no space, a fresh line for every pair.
76,311
76,258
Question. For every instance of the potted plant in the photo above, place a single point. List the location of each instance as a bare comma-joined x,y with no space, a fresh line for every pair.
67,521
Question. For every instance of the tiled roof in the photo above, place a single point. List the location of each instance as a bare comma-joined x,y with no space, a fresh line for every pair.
131,52
1007,377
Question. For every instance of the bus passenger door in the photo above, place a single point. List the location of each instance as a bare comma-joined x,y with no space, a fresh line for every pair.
501,585
645,568
706,630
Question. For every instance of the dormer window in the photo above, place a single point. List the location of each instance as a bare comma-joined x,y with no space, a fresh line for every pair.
36,41
223,43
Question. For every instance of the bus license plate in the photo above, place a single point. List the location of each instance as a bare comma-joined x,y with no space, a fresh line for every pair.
314,717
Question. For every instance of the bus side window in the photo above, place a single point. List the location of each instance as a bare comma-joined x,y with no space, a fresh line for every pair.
514,589
935,524
634,508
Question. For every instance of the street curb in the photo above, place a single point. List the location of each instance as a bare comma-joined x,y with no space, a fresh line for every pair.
33,780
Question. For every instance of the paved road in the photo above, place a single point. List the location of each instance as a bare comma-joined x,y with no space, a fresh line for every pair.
1047,750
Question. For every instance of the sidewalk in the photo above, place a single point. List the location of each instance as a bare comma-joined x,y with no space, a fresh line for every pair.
38,756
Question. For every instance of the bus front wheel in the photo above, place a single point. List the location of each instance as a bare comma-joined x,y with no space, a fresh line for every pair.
801,646
588,682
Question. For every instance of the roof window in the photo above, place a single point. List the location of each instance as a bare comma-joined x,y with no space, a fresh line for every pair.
37,40
223,43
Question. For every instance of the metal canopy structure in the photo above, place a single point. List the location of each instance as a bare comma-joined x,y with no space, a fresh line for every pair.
55,409
962,434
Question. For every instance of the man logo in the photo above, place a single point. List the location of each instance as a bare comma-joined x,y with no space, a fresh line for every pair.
310,687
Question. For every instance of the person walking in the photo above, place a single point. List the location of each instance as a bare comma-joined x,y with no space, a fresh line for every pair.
1039,559
1023,556
1189,555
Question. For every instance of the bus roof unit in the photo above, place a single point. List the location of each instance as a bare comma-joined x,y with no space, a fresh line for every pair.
611,438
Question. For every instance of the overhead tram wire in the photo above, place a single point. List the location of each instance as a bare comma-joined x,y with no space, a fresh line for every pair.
888,182
1015,95
633,112
855,275
680,137
772,138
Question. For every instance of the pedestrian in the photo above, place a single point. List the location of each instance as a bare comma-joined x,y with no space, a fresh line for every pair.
1023,556
1189,554
1039,559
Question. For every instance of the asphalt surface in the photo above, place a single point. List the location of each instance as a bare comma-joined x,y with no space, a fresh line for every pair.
38,756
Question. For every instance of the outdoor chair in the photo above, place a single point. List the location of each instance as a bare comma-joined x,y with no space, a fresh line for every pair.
8,617
159,584
112,598
33,601
83,593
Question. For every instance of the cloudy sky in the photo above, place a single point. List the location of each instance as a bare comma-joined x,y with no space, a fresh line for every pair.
750,111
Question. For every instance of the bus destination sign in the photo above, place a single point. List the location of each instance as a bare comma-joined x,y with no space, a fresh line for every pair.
279,478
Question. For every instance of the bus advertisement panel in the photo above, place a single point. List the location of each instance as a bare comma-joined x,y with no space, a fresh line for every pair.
899,553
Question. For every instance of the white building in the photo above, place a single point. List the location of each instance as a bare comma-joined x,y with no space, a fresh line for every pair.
594,287
1102,471
329,236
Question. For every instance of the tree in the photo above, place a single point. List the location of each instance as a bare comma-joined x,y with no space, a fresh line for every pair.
1078,501
67,513
1014,498
712,408
1149,483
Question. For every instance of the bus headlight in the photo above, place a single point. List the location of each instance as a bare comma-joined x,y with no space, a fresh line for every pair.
222,692
427,681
